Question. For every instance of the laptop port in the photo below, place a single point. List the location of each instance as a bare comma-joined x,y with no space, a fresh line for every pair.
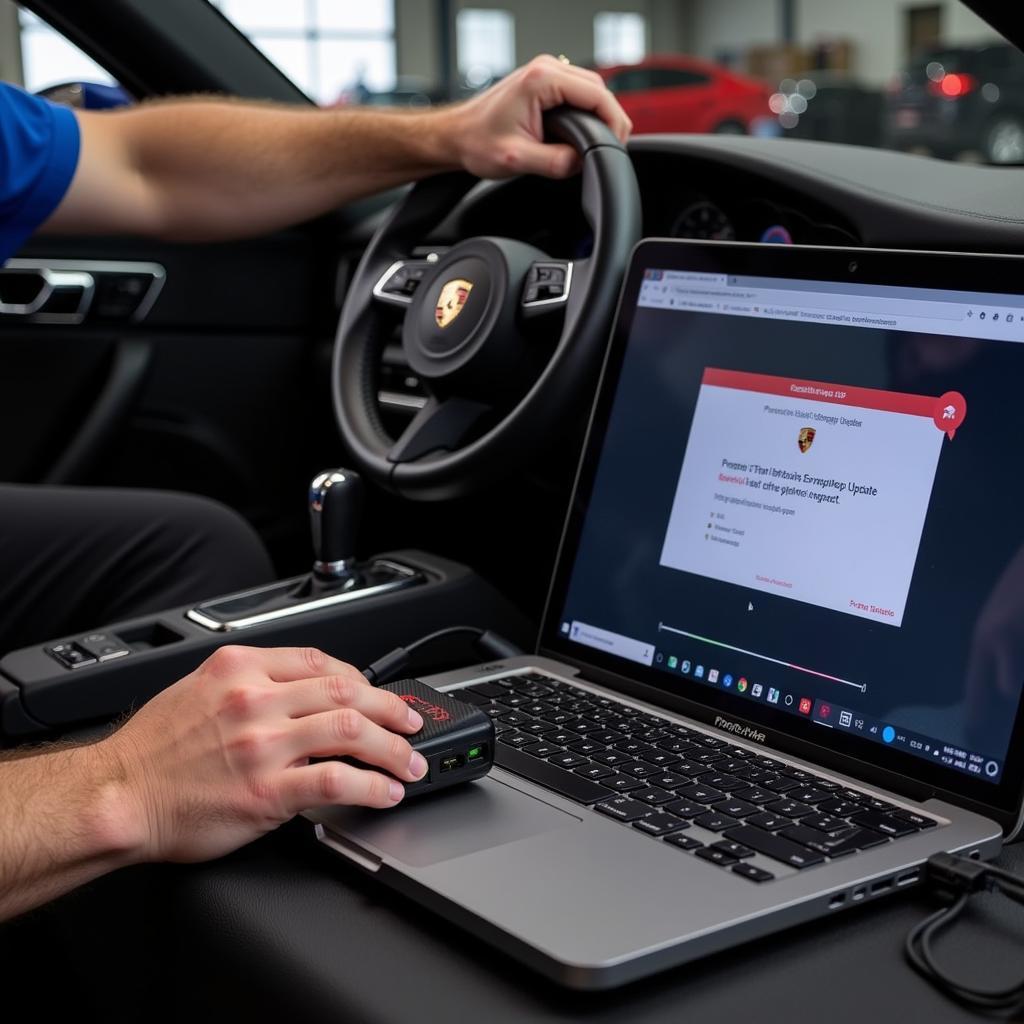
859,893
883,885
837,901
908,877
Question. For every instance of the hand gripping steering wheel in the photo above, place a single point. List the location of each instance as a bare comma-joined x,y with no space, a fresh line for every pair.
471,319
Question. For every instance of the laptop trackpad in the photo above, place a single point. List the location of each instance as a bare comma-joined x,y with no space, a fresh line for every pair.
453,823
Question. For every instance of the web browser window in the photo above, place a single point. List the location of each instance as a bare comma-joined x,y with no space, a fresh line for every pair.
805,499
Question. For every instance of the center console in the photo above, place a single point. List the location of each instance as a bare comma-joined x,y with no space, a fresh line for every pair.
353,610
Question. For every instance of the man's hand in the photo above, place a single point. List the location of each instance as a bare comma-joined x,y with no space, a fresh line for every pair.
215,760
208,170
500,132
223,755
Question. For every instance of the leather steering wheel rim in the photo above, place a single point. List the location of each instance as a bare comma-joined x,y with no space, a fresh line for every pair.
611,207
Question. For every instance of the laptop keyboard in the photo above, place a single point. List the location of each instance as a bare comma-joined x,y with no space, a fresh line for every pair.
662,778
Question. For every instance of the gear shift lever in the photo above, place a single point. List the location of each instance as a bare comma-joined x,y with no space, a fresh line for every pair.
335,500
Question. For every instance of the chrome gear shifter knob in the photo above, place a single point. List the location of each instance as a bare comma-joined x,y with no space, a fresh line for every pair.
335,500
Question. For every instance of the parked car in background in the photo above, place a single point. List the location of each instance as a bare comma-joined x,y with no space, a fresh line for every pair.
684,94
830,106
960,101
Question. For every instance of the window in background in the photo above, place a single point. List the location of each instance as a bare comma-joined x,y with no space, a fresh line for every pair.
48,59
486,44
619,38
334,50
923,29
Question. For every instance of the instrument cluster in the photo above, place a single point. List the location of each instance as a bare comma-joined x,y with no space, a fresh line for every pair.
751,220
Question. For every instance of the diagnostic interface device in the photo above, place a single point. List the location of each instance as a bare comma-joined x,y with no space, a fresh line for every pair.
457,739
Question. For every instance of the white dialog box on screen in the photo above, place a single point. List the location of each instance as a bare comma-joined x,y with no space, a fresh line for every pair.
812,491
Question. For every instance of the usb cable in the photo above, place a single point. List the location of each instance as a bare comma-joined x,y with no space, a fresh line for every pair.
959,878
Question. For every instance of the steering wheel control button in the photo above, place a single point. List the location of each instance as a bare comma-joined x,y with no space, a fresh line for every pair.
547,284
71,655
103,646
399,282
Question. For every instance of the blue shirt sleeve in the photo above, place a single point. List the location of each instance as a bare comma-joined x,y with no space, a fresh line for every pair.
39,144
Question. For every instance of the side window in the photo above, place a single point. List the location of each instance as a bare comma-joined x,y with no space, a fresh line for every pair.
619,38
54,67
675,78
336,51
636,80
485,42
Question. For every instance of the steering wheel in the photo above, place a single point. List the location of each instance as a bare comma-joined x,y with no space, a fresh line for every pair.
475,320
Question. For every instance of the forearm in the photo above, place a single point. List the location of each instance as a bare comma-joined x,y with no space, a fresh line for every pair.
210,170
205,170
65,821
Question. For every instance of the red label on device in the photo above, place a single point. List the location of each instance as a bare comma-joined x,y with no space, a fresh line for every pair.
424,707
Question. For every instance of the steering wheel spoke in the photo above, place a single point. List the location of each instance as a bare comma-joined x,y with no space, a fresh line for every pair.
397,285
441,425
547,287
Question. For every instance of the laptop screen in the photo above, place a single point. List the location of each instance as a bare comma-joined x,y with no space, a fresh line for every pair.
801,502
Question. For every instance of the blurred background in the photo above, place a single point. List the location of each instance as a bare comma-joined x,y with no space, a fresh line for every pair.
930,78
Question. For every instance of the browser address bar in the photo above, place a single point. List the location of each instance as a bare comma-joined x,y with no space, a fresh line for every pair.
769,299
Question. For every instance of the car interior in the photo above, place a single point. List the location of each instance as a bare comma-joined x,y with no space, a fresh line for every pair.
243,371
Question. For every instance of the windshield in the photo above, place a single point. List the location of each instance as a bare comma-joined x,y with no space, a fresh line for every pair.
929,78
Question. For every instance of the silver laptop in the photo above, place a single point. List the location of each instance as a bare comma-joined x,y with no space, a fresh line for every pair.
782,655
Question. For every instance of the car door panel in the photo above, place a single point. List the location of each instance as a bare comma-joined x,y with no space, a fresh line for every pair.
208,392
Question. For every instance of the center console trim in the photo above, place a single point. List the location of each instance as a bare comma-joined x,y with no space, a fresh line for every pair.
408,576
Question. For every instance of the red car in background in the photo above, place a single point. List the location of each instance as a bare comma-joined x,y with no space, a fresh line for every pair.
685,94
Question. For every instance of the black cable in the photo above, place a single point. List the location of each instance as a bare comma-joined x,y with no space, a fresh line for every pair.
963,877
438,634
1012,881
489,643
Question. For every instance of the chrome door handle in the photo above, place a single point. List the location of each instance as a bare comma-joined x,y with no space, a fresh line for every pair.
57,291
56,296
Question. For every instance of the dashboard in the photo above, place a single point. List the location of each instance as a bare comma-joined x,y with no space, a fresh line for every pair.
704,200
764,190
681,199
759,219
753,190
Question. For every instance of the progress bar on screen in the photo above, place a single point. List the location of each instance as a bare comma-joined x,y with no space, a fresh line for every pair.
662,628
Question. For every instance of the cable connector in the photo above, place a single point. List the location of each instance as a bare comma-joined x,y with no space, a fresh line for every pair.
958,878
955,873
492,645
392,664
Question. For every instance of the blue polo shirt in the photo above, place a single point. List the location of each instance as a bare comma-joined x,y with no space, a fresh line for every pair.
39,145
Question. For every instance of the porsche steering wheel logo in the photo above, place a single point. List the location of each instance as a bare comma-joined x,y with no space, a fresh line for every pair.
451,300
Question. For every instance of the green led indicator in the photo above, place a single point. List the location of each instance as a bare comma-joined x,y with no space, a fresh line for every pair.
475,753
